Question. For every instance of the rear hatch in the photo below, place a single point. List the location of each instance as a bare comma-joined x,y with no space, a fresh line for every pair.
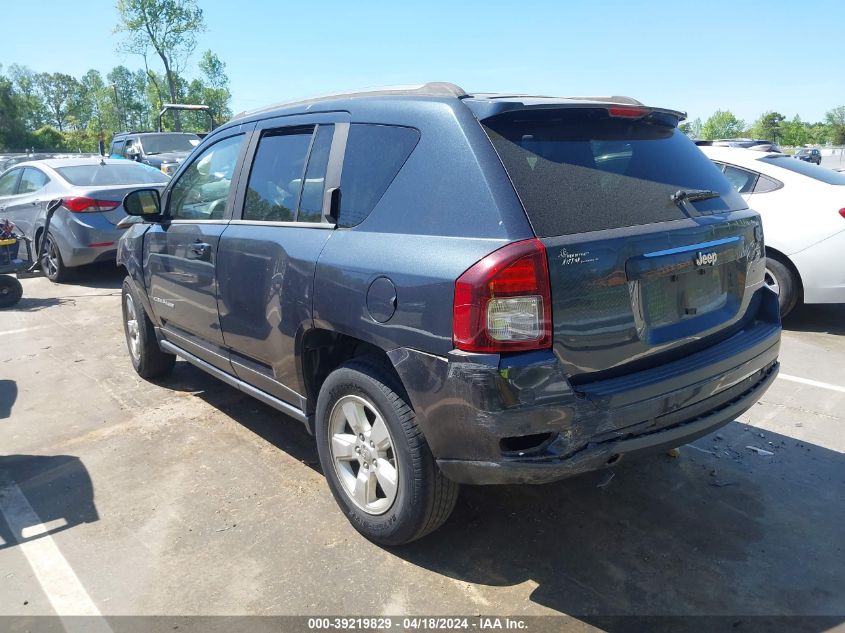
649,247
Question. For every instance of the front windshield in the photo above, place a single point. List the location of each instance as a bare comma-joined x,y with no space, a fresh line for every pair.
163,143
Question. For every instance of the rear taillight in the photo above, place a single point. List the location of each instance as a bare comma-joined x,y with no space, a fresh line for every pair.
842,212
81,204
503,302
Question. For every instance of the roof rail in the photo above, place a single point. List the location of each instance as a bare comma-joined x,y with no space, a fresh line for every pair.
613,99
430,89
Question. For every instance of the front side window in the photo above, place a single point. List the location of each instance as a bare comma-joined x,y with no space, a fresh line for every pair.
9,182
202,189
275,179
117,148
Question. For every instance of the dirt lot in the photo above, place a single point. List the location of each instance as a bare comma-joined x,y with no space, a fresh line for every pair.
188,497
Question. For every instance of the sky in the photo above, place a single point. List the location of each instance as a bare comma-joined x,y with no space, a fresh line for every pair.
744,56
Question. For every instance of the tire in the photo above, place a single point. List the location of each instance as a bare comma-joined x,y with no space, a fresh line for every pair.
11,291
144,353
422,498
52,264
781,279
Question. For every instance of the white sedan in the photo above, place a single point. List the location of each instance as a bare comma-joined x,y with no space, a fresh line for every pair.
803,211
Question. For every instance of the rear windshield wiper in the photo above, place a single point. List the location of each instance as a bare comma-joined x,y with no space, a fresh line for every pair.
691,195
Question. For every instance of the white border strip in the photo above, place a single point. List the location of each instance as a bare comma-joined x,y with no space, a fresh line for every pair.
812,383
58,580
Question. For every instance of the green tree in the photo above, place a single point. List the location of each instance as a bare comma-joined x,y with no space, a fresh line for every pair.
169,27
722,124
216,94
60,95
836,120
819,134
768,126
692,128
31,108
48,138
794,133
13,133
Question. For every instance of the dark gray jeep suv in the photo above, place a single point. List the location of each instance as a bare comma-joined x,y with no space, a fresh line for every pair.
450,288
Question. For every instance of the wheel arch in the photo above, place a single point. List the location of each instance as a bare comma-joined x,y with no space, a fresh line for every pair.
320,351
786,261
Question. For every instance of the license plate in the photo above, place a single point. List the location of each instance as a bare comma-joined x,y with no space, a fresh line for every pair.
677,297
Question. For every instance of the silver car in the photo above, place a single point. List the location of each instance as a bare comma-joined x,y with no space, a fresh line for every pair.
82,231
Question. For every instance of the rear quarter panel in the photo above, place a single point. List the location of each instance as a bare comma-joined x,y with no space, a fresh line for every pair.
450,205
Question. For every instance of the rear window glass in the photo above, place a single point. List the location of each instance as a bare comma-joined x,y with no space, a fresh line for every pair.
580,170
374,155
806,169
129,173
163,143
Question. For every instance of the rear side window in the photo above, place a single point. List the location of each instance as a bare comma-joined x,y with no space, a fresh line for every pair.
374,155
806,169
578,170
742,179
311,200
766,184
9,182
123,173
32,180
276,176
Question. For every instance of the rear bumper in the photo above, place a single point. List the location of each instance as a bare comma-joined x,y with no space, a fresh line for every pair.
84,238
518,419
609,452
822,269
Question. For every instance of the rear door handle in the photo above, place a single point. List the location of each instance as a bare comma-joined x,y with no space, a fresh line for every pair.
199,250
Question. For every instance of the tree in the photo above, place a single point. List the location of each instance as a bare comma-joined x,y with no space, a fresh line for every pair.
60,95
768,126
215,93
795,133
170,27
722,124
692,128
836,120
12,129
31,106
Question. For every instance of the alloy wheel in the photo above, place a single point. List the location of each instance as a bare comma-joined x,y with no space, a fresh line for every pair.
50,259
771,281
363,455
133,335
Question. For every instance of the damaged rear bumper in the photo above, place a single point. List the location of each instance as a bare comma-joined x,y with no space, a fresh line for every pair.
492,419
607,453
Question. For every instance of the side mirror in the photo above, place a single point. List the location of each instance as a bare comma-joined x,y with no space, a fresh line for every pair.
145,203
132,152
